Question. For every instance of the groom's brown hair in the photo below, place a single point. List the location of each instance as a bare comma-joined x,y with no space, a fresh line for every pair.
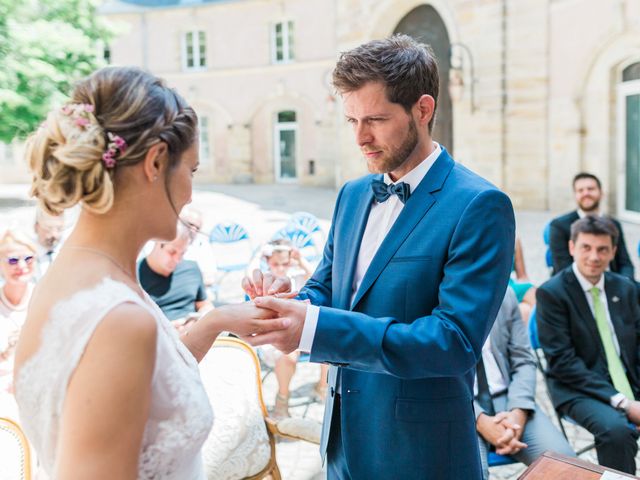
407,68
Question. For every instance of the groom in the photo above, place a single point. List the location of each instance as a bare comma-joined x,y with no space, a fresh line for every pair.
413,273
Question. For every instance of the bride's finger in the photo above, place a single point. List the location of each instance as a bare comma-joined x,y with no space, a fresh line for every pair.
247,286
287,295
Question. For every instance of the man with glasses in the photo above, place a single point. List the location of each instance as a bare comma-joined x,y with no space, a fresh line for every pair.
199,249
174,283
49,230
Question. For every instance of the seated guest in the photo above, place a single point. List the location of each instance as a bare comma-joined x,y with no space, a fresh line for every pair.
282,259
199,250
175,284
17,266
48,230
589,329
588,193
507,417
523,288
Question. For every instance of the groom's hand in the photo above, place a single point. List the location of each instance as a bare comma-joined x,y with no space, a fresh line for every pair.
260,284
293,312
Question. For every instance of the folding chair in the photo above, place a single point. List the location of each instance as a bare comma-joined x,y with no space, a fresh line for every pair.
545,237
242,443
309,222
496,460
300,239
535,345
232,248
15,454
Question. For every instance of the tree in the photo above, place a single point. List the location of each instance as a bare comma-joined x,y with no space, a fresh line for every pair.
45,46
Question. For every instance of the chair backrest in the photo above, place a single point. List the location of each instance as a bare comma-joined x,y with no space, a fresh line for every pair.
301,239
231,246
239,445
533,330
15,457
228,233
496,460
545,238
307,221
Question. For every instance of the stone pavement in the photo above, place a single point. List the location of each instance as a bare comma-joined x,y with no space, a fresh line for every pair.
263,209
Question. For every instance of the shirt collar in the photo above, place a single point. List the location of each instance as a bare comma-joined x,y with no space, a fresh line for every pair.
415,176
582,213
585,284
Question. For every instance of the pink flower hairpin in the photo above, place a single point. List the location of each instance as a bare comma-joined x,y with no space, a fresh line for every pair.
116,147
79,112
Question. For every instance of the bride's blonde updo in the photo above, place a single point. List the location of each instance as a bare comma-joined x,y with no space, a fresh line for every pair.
66,153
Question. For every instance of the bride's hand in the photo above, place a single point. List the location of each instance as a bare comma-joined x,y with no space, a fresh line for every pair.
245,319
263,284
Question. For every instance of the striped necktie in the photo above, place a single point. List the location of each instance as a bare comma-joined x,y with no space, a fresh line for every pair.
614,364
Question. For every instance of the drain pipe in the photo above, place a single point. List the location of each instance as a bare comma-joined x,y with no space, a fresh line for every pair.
503,97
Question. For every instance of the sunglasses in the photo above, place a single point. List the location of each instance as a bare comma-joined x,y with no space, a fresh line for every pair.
13,261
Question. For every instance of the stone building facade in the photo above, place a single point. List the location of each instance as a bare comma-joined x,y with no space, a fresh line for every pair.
532,91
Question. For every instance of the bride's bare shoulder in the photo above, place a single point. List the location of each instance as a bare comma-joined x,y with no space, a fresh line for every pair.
127,318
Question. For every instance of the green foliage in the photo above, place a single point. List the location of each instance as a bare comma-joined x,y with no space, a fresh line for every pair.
45,46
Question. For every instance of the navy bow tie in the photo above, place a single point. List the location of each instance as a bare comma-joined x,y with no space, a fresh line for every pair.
382,191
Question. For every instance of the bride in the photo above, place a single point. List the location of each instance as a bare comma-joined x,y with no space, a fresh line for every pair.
104,385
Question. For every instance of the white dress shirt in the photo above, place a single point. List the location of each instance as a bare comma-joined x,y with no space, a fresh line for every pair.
381,218
497,383
586,286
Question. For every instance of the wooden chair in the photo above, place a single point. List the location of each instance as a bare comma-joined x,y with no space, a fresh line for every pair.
242,443
15,454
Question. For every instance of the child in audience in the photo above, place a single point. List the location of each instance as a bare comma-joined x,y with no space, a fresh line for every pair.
281,258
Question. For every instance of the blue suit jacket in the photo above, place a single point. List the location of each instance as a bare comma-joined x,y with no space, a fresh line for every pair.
405,349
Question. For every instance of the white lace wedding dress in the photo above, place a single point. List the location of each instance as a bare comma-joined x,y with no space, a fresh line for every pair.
180,416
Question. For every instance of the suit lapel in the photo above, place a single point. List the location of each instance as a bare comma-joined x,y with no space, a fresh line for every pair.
414,210
353,238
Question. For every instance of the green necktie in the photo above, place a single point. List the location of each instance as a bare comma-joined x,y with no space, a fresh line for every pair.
616,370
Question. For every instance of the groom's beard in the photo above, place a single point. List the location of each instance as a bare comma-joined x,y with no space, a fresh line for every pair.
395,158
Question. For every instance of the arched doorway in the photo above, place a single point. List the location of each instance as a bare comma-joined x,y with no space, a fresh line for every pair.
628,118
425,25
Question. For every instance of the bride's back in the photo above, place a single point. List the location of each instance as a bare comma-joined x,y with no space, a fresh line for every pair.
100,375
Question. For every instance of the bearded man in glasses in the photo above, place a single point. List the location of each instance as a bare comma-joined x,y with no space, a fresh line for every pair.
49,230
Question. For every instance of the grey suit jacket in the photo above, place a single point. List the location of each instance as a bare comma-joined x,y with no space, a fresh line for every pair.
512,350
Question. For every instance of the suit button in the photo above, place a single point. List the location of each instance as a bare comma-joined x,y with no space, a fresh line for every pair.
332,391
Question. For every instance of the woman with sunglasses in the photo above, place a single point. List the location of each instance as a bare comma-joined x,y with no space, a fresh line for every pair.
17,265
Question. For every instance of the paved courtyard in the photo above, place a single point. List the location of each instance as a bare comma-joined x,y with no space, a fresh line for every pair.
265,209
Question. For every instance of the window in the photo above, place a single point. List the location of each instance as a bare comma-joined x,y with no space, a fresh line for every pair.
195,50
286,130
6,154
205,144
283,42
629,141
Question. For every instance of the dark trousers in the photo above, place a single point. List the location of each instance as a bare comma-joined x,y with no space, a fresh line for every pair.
336,460
616,440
